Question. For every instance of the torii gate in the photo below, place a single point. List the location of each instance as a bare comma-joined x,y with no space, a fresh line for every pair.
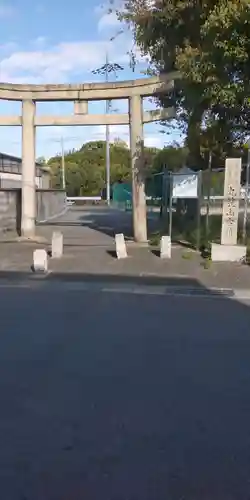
80,94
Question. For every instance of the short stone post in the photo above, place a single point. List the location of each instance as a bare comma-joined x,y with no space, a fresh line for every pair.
57,245
165,248
120,246
40,261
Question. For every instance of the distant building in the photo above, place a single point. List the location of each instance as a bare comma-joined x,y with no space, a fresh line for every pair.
11,173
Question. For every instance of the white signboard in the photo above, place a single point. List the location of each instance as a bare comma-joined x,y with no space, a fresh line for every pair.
185,186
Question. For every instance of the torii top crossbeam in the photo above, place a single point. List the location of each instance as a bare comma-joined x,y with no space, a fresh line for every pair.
89,91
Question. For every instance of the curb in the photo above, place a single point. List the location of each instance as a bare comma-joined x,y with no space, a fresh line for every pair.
54,216
51,282
172,291
241,293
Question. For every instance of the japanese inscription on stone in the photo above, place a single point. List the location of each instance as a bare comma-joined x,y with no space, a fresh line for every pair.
231,201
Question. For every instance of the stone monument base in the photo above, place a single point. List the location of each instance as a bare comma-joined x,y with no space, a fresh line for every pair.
228,253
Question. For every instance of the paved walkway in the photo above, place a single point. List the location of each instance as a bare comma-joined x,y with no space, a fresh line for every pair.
89,251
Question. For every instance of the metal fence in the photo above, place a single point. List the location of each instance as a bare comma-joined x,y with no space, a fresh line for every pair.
197,220
193,218
122,192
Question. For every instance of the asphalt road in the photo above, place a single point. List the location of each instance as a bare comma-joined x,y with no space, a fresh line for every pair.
123,397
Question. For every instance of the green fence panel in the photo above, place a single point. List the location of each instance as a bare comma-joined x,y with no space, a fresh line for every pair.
122,192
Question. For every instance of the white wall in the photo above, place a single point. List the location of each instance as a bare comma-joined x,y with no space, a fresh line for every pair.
9,180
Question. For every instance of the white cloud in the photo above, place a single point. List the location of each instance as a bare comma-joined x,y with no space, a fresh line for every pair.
60,62
6,10
154,141
121,131
8,47
48,139
152,138
54,64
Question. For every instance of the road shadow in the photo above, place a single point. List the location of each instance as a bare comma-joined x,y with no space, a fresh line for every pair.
63,223
148,395
113,221
104,220
108,221
112,253
170,282
156,252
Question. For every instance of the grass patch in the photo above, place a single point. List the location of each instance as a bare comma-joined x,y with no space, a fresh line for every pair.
194,234
187,255
206,263
155,239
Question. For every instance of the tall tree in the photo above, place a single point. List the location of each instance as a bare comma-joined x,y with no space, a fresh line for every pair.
85,168
208,43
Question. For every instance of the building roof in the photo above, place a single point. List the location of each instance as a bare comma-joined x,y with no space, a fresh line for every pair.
17,159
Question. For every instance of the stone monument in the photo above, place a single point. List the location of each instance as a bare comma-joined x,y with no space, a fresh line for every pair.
228,250
230,214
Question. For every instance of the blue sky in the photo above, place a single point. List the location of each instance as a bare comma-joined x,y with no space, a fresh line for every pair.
59,42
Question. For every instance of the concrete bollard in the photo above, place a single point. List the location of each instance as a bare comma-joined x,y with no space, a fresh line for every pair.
57,245
40,261
165,249
120,246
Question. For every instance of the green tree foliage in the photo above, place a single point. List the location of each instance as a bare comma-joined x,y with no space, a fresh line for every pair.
208,43
85,170
172,157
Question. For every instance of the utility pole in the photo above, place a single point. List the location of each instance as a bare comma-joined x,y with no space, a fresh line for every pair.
108,106
63,164
61,140
105,70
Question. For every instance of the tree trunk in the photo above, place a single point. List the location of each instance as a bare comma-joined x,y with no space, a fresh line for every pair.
195,160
